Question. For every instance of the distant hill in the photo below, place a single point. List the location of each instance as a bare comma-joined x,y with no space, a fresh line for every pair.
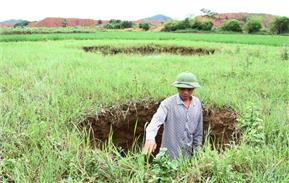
11,22
157,18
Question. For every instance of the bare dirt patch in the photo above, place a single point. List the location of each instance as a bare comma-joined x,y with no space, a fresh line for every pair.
127,123
149,50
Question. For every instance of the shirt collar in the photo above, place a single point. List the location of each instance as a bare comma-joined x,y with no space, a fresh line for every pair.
180,102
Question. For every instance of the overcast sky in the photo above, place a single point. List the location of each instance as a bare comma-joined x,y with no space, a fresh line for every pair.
133,9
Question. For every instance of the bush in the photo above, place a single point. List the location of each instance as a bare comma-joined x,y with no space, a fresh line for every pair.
144,26
114,21
253,26
162,169
23,23
184,24
188,24
64,23
118,24
232,25
206,26
280,25
170,26
126,24
251,126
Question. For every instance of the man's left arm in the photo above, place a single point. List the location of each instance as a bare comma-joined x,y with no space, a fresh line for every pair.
198,135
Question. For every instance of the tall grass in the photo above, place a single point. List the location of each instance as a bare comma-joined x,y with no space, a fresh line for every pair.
46,88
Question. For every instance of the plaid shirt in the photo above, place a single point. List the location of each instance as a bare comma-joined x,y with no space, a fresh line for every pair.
183,127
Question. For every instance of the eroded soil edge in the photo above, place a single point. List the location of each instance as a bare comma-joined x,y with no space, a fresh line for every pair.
127,123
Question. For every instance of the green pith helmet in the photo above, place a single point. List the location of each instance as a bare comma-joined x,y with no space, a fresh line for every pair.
186,80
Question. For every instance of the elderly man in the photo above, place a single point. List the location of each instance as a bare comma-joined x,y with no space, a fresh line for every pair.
182,117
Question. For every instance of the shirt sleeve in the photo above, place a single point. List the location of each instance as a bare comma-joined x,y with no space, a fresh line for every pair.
157,120
198,135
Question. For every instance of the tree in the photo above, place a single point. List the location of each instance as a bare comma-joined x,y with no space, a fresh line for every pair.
114,21
280,25
188,24
208,13
118,24
252,26
64,23
184,24
23,23
126,24
144,26
232,25
207,26
244,18
204,25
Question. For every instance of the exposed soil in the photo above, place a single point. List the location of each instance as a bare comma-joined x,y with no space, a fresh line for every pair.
149,50
127,122
58,22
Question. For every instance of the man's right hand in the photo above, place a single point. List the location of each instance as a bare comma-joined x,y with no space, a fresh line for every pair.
150,146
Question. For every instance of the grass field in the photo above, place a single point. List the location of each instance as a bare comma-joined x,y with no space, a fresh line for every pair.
48,87
220,38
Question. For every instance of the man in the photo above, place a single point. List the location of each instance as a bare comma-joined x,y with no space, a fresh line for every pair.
182,117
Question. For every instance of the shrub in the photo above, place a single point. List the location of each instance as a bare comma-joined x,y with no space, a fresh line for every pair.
170,26
162,168
232,25
114,21
251,126
64,23
126,24
279,25
118,24
144,26
206,26
253,26
23,23
184,24
188,24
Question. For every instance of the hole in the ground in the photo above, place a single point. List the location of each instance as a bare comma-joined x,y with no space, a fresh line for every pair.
127,122
149,50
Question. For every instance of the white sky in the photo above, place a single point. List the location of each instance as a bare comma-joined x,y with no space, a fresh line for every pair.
133,9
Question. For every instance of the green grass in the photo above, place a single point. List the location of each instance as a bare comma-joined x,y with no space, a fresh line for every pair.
47,87
48,30
220,38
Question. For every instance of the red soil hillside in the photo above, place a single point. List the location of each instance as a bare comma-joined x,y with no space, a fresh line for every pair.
5,25
221,17
59,22
75,22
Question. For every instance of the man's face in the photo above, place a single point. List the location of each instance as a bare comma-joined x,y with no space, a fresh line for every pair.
185,93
